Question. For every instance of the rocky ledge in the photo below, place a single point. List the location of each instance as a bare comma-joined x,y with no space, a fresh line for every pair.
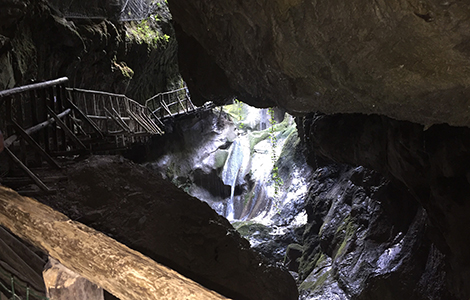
137,207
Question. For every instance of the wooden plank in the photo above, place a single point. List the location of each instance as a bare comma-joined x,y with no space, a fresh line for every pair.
124,272
22,256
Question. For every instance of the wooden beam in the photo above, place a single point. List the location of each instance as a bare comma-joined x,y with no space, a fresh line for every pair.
165,106
116,118
142,123
85,117
11,139
125,273
35,145
34,86
28,171
67,130
152,123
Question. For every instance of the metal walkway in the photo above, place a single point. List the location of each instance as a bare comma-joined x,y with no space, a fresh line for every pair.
46,120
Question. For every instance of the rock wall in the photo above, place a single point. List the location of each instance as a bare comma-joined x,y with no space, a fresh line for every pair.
433,165
37,43
363,236
366,238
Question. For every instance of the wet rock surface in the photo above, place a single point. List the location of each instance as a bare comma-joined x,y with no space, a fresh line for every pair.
137,207
432,164
366,239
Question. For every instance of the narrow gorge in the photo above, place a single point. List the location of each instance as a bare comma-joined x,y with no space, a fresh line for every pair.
348,179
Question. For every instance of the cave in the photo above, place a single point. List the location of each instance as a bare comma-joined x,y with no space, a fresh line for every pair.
377,99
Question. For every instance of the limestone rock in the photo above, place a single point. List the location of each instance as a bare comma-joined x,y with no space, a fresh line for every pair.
408,60
38,43
432,164
178,231
366,238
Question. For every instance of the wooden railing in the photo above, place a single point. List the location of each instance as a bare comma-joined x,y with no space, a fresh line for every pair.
38,124
170,104
115,114
43,121
46,120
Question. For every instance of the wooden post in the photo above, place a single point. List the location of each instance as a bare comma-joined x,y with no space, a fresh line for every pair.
125,273
45,117
35,145
28,171
60,107
67,130
85,118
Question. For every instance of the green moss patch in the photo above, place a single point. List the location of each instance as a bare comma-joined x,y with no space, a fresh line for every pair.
347,231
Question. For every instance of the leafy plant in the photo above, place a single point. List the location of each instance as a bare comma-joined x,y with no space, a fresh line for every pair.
239,111
147,32
275,177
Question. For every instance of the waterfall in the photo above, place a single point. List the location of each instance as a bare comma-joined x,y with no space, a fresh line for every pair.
235,169
229,165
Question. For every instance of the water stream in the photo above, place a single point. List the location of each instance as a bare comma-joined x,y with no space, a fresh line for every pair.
230,166
361,229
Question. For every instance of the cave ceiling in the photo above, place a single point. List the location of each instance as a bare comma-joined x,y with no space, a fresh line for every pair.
408,60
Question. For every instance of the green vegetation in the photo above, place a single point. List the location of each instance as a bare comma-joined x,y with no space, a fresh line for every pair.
239,106
236,112
347,229
312,285
147,32
123,68
318,262
276,178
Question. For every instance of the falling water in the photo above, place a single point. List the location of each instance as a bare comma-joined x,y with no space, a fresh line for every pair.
230,166
235,168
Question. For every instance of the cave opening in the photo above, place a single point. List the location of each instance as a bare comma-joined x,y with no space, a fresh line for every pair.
366,191
248,164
